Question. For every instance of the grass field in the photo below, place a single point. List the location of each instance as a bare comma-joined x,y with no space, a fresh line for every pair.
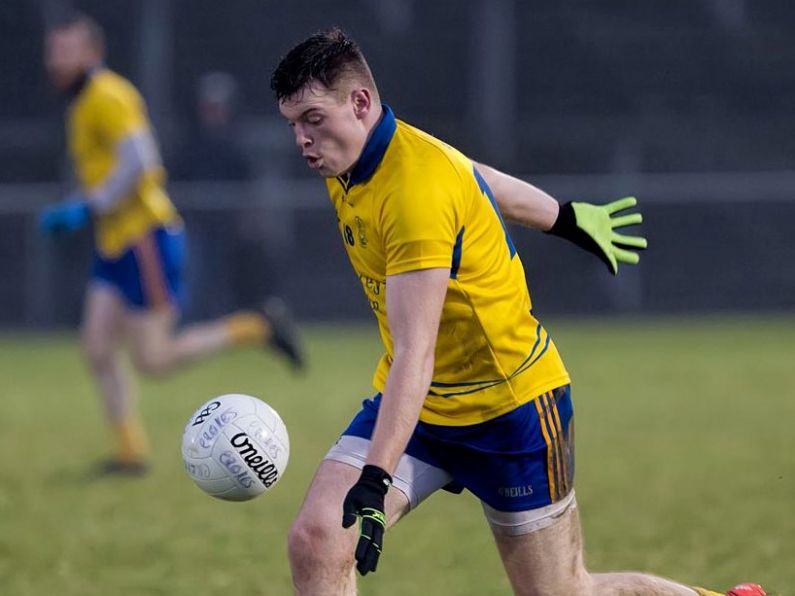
685,455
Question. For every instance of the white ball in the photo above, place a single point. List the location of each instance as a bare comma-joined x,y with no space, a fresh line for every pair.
235,447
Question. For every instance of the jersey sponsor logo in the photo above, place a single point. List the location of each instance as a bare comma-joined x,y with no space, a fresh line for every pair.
371,285
373,288
262,467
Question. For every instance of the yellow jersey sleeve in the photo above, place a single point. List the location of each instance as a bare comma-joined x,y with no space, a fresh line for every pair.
118,113
420,221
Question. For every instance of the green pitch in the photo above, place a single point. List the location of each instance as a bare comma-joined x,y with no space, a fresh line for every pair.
685,467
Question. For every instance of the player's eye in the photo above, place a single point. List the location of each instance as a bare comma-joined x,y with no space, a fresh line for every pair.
314,120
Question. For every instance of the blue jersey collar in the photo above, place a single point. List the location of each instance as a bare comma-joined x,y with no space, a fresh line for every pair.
374,149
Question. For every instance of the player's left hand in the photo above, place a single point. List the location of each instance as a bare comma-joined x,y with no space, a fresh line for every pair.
592,227
366,501
69,215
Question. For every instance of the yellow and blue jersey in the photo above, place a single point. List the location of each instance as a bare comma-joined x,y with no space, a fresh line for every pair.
412,202
107,110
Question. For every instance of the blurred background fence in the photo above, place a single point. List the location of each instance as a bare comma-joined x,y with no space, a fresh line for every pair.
688,104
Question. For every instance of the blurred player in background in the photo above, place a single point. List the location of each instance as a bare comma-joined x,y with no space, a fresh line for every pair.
213,150
134,293
472,391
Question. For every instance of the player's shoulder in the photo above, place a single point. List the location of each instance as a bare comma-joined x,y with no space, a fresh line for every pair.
422,152
107,85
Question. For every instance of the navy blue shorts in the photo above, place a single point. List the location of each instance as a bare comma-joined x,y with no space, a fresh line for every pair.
519,461
149,273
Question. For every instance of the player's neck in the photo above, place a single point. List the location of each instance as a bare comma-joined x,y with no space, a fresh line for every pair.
372,121
78,85
81,81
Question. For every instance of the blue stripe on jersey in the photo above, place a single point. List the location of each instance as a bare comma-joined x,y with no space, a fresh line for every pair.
534,360
475,386
532,350
468,391
467,384
484,188
456,263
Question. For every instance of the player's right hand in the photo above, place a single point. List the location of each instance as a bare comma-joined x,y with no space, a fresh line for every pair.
593,228
366,501
69,215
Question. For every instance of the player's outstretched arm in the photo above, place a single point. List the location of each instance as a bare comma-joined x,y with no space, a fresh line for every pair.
414,306
591,227
67,215
519,201
134,154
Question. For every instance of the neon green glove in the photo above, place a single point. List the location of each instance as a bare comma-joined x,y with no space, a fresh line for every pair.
592,227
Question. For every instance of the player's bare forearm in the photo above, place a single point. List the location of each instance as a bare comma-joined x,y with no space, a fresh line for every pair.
414,305
519,201
406,388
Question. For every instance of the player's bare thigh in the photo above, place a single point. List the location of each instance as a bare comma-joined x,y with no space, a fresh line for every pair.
547,561
151,325
151,333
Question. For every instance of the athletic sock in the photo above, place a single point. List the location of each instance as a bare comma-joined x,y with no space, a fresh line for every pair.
133,446
705,592
246,327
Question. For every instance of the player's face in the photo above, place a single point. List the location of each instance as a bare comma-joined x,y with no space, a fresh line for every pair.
330,127
68,55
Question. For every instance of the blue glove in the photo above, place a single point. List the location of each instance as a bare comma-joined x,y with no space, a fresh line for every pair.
68,215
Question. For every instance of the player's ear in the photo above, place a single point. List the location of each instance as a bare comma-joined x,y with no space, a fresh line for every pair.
362,100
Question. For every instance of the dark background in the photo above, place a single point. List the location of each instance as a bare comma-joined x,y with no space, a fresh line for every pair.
688,104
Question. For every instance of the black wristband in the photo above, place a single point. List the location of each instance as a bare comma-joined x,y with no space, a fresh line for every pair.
375,477
565,225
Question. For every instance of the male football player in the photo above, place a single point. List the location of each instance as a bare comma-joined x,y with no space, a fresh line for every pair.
472,392
134,293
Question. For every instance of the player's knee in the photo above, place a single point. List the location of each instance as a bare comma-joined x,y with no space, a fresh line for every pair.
579,583
98,354
311,544
583,583
151,364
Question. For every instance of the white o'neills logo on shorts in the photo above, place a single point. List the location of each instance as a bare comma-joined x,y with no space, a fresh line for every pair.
264,468
524,490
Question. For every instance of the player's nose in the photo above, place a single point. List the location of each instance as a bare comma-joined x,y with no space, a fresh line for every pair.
301,138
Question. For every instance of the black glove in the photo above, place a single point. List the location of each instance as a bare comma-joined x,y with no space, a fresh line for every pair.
366,500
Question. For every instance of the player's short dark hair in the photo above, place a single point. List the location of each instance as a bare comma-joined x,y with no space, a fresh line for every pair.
327,58
74,18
